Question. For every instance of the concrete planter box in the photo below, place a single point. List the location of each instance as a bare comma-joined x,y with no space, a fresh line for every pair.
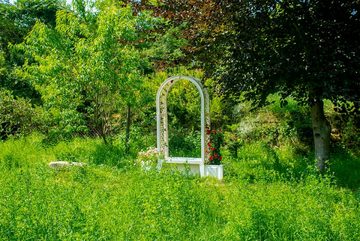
216,171
194,166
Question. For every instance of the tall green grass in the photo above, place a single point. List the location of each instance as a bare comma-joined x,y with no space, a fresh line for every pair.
111,199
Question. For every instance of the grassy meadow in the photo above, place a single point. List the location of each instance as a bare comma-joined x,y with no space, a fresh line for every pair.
264,196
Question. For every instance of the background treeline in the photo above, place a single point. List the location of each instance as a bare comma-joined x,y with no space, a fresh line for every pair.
93,69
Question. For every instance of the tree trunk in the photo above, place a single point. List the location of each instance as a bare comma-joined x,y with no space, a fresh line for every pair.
127,134
321,132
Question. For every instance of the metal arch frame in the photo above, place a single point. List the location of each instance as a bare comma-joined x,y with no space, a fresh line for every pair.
162,122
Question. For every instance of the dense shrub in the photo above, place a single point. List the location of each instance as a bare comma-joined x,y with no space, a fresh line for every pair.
17,116
275,125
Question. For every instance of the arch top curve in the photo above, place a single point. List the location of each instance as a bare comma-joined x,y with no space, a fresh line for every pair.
169,82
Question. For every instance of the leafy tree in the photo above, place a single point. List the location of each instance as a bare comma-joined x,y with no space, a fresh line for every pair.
88,70
305,49
198,22
18,115
16,20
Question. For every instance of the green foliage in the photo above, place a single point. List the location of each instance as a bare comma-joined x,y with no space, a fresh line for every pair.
17,116
184,120
90,67
274,125
345,127
103,202
184,106
300,49
85,71
168,49
16,21
184,143
276,140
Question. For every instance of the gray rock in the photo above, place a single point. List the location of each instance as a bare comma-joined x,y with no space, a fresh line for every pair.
62,164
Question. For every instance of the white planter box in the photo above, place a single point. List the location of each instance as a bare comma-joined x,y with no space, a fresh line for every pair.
214,171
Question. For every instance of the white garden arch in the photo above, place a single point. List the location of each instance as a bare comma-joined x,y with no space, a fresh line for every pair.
162,124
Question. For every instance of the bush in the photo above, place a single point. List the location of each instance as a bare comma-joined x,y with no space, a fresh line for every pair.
17,116
274,125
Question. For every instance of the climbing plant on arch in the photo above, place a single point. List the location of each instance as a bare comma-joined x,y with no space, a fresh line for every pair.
163,130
